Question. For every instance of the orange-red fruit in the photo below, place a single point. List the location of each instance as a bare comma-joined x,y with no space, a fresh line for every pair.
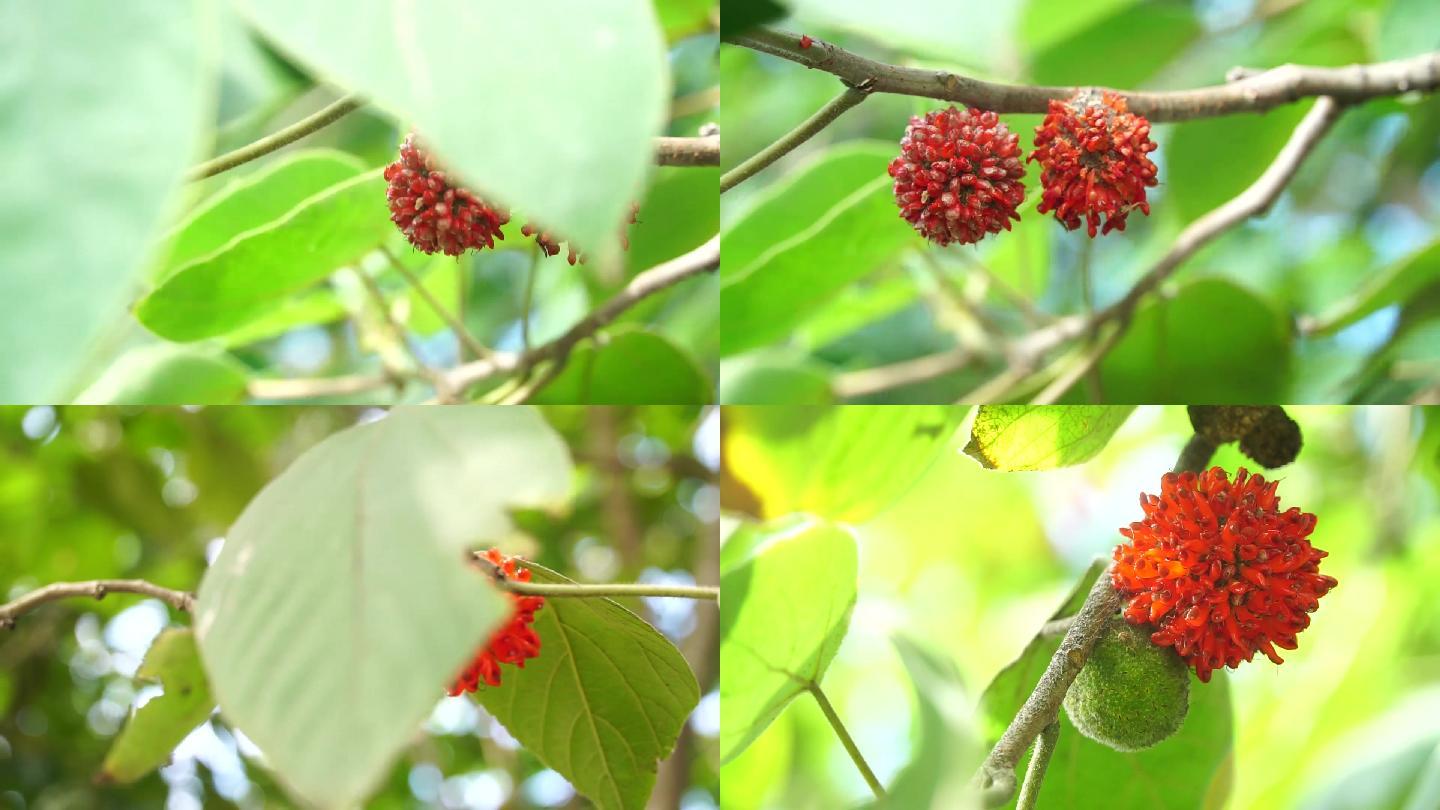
1219,570
433,214
514,642
550,245
957,176
1094,154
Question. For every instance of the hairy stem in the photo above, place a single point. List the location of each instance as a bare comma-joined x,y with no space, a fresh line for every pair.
845,739
1039,761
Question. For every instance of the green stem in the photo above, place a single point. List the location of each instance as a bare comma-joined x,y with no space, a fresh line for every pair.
821,119
274,141
610,589
461,333
845,739
1039,761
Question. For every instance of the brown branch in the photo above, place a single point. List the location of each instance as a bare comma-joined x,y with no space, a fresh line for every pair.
1251,92
996,779
688,151
93,589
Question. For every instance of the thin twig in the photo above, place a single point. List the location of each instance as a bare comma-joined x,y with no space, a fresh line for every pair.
996,778
1039,761
443,391
577,589
93,589
703,151
823,118
864,382
1250,93
312,123
845,739
453,321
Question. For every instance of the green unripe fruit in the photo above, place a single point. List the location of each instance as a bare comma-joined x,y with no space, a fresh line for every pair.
1131,694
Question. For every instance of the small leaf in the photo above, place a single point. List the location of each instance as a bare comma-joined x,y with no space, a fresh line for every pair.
1083,774
603,703
157,727
1042,437
630,366
104,108
340,608
1149,34
563,137
841,463
242,281
786,609
167,374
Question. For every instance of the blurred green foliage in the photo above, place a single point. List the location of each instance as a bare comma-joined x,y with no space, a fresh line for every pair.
144,493
1361,213
972,562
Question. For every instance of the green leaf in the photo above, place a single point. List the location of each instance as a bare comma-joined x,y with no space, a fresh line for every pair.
1203,166
167,374
242,281
254,201
316,306
630,366
1393,285
603,703
1178,773
1123,49
1046,22
786,610
842,463
754,776
158,726
1389,763
680,213
741,15
440,276
948,751
1042,437
340,609
1409,28
1214,342
774,381
93,145
555,122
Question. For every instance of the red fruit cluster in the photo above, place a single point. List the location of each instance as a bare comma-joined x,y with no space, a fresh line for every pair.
958,174
1094,154
1219,570
434,215
514,642
550,245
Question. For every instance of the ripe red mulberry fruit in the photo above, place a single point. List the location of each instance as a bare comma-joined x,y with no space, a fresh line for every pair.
958,174
1094,155
550,245
1219,570
514,642
433,214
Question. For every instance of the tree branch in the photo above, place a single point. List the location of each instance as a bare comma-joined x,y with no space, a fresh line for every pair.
824,117
274,141
93,589
576,589
703,151
1250,92
996,779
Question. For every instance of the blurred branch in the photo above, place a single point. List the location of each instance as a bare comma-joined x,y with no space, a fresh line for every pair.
312,123
845,739
575,589
898,375
452,320
996,779
704,151
853,95
93,589
1250,92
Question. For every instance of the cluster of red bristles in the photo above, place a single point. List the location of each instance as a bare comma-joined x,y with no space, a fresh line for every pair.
514,642
437,216
958,175
1219,570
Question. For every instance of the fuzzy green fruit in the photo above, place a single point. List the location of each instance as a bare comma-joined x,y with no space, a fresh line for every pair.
1131,694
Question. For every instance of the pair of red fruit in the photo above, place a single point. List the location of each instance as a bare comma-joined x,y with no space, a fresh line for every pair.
958,174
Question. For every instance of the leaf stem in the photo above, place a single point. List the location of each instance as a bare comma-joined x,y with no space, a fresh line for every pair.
319,120
808,128
1039,761
461,333
845,739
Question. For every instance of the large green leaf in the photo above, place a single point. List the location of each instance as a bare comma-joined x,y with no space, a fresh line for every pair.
1210,160
630,366
1214,342
1409,28
1178,773
340,608
1046,22
680,212
786,609
1123,49
603,703
842,463
242,281
167,374
254,201
1393,285
1042,437
158,726
103,112
561,132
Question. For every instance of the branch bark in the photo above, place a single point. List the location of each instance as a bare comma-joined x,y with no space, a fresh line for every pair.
1250,92
93,589
703,151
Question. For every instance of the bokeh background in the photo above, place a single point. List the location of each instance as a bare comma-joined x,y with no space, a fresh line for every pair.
1365,203
100,493
971,563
